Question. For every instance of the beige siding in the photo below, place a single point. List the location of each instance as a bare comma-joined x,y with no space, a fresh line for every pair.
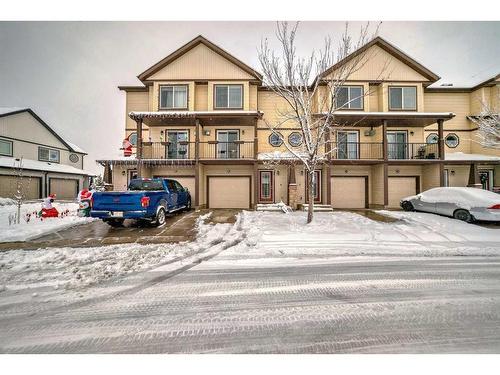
200,62
201,97
430,177
457,103
135,101
374,98
253,98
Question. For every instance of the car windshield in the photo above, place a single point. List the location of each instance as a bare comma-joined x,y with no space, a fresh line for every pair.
145,185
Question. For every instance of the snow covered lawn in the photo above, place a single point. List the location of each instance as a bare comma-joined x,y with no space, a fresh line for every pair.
25,231
350,234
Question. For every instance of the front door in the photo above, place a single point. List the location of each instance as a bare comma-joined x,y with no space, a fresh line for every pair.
486,178
347,143
266,186
226,146
396,145
175,149
316,187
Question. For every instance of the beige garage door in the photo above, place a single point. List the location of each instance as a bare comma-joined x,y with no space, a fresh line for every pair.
64,189
228,192
31,187
348,192
400,187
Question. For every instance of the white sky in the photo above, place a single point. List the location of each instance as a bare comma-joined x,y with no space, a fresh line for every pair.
68,72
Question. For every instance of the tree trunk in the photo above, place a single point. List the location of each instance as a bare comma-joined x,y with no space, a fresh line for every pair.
310,193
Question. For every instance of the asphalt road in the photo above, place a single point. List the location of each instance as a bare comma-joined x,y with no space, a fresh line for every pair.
313,305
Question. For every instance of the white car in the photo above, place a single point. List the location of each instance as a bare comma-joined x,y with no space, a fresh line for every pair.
462,203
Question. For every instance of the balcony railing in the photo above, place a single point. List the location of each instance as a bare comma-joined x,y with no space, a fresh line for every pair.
226,150
409,151
207,150
356,150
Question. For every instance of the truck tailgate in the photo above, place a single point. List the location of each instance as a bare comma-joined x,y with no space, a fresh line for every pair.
117,201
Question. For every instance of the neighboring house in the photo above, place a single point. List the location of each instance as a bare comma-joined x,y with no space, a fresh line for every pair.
51,165
199,118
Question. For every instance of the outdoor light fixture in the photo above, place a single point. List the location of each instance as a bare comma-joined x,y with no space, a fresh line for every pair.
206,132
412,133
346,171
277,173
397,171
123,173
452,173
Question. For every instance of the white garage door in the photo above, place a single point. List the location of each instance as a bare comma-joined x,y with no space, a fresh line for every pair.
228,192
348,192
63,189
400,187
30,187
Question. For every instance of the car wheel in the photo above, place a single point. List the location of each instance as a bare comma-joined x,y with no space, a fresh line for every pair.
463,215
161,217
115,223
407,206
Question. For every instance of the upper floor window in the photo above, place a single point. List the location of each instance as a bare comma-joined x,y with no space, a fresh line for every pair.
5,147
403,98
173,97
48,154
229,96
350,97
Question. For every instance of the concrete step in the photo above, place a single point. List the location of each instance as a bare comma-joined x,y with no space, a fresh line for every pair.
317,207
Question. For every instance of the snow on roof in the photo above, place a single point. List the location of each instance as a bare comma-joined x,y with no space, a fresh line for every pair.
5,110
278,155
145,114
75,147
464,156
393,114
8,162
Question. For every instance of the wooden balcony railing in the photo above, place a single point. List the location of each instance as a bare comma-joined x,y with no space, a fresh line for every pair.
168,150
356,150
410,151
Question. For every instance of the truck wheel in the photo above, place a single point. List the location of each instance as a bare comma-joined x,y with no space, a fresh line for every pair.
161,217
188,205
115,223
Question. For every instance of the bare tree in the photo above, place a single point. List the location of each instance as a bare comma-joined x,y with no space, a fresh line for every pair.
309,91
20,194
488,124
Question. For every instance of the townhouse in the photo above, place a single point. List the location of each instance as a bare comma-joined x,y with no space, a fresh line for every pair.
200,117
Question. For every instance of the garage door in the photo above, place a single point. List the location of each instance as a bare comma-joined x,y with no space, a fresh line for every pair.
400,187
187,182
348,192
228,192
31,187
64,189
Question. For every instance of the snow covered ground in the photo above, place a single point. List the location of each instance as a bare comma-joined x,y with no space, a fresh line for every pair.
25,231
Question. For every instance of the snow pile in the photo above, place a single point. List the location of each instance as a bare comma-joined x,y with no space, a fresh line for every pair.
79,267
6,201
465,197
277,207
347,234
25,231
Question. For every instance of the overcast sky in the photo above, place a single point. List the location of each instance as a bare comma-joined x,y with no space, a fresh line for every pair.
68,72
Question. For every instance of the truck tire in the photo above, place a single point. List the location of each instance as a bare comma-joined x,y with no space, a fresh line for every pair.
188,205
161,217
115,223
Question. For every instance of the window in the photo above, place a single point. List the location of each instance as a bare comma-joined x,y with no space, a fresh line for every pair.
74,158
132,138
347,143
229,96
5,147
145,185
177,144
227,146
451,140
350,97
403,98
276,139
173,97
432,138
295,139
266,186
48,154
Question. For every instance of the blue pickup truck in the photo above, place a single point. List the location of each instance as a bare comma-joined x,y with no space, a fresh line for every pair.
149,199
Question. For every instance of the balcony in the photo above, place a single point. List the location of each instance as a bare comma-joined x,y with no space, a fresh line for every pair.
375,151
211,150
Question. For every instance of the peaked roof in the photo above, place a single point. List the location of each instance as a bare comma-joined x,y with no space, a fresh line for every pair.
190,45
491,81
394,51
9,111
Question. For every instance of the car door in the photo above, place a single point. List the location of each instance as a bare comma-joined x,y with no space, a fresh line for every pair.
181,194
172,196
421,204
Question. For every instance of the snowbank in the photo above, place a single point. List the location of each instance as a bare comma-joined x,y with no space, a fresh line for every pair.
25,231
348,234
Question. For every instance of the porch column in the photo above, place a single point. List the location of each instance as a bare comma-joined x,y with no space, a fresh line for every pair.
139,148
329,184
474,180
196,164
385,150
386,185
441,140
292,187
441,174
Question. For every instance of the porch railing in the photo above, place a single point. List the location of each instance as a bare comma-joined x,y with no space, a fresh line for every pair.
226,150
356,150
169,150
409,151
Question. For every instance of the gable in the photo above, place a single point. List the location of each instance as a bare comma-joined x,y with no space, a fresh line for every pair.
378,64
26,127
203,63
